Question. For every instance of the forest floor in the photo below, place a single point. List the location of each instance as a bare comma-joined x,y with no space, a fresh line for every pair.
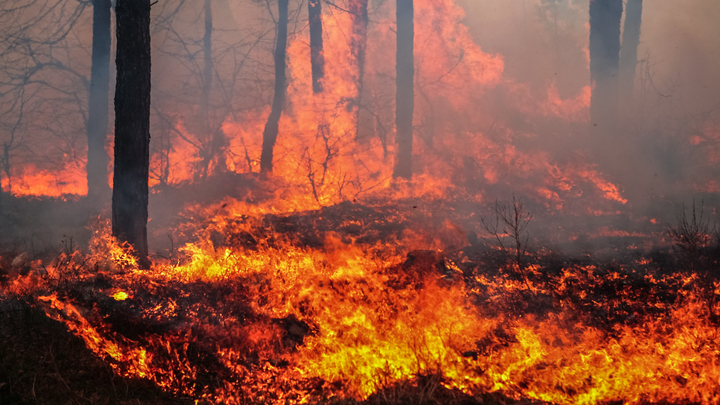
41,362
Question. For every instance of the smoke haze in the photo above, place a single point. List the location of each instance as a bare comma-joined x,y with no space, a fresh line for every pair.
502,110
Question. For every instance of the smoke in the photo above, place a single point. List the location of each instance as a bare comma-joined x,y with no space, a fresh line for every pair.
538,37
666,144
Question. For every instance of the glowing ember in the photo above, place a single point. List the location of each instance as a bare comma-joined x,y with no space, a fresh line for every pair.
120,296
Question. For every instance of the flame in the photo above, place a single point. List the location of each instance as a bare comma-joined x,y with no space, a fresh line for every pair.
270,307
321,158
178,164
572,110
610,190
33,181
120,296
363,318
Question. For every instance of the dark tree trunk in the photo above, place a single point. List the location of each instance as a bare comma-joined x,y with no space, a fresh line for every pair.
132,126
6,167
2,213
605,16
98,104
359,10
317,57
405,94
208,68
271,127
215,151
630,43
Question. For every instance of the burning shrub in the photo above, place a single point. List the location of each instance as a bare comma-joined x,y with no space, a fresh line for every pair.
695,240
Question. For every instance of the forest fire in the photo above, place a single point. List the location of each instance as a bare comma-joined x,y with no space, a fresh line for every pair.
504,240
258,316
42,183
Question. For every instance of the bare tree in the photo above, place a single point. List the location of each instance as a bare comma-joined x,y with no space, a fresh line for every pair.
132,126
271,130
630,42
605,16
317,57
358,44
98,109
405,93
217,137
206,56
508,234
695,239
43,114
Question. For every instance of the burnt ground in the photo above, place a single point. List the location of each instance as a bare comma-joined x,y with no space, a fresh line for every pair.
42,363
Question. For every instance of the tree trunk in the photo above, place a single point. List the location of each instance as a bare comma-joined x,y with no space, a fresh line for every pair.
317,57
98,104
605,16
6,167
215,151
208,68
132,126
271,127
630,43
359,10
405,95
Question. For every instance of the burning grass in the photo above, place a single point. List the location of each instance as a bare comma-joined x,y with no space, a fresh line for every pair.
382,304
41,363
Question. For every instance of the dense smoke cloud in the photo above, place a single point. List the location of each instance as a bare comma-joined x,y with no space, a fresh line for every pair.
673,125
678,38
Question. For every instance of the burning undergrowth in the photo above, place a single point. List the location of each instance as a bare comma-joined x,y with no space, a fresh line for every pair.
414,294
368,302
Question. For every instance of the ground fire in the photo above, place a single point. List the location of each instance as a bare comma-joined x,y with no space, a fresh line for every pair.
380,202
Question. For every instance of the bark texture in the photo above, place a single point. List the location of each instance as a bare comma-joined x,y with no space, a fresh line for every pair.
405,94
98,103
630,43
358,45
605,16
271,127
132,126
317,56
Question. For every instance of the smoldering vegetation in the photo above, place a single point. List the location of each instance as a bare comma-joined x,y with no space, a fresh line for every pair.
557,180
